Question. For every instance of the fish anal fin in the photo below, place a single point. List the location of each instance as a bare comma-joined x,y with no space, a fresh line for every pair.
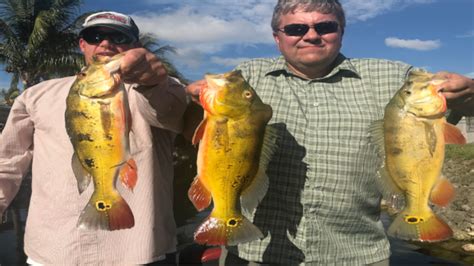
391,192
452,134
83,177
128,174
442,193
230,232
199,132
199,195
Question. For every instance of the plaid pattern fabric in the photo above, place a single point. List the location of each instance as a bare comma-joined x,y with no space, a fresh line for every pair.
322,205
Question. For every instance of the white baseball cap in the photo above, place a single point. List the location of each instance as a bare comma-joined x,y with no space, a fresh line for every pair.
113,20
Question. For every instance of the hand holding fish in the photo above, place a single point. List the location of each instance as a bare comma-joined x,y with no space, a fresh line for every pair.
194,89
142,67
459,92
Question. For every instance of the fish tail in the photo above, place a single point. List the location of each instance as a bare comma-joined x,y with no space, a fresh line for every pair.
430,228
113,215
230,232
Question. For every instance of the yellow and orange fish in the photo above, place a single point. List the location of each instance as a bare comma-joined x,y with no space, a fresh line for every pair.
412,138
98,124
234,150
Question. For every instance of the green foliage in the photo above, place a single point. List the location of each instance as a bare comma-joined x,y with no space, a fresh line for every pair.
460,151
38,39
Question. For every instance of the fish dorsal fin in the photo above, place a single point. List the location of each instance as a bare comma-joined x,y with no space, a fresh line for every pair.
452,134
442,193
254,193
83,177
199,132
377,137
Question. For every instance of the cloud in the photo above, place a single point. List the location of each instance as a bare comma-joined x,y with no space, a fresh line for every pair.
362,10
414,44
471,75
469,34
231,62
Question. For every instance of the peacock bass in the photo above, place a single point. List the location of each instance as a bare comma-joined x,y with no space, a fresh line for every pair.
411,138
98,124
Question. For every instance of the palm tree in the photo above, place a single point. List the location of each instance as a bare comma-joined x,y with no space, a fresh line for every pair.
37,40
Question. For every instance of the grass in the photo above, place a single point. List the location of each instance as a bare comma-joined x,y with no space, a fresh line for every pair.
460,151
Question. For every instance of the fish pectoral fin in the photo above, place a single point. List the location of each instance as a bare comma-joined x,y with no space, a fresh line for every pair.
376,134
199,132
452,134
199,195
128,174
83,177
443,192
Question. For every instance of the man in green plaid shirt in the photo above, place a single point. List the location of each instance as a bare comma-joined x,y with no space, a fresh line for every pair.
323,205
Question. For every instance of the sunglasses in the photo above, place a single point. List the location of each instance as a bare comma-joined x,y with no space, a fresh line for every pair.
321,28
96,37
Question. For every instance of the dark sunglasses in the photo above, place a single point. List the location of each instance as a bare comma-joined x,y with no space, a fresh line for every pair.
96,37
321,28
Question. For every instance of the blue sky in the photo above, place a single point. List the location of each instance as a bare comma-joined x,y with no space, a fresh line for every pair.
212,36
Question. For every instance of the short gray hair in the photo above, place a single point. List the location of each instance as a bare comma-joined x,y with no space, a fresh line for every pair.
284,7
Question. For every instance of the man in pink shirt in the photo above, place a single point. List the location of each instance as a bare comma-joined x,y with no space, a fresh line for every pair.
35,135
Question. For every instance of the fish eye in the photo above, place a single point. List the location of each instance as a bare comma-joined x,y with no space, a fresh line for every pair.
407,92
247,94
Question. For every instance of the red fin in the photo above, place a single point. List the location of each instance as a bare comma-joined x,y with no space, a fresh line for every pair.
199,195
211,254
230,231
442,193
120,215
128,174
435,230
452,135
199,132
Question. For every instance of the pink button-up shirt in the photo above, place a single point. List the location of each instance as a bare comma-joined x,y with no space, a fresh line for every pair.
35,134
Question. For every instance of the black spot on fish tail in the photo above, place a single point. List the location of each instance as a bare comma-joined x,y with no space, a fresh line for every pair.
89,162
84,137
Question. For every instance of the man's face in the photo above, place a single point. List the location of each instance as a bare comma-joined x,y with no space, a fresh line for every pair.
103,44
312,50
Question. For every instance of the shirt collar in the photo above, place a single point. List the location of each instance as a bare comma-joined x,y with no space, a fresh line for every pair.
342,65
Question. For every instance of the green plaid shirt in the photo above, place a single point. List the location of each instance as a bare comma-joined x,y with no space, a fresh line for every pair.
323,205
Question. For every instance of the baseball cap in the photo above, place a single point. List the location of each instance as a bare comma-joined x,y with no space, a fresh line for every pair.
113,20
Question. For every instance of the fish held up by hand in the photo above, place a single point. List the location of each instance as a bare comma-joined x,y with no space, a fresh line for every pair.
235,146
98,123
411,139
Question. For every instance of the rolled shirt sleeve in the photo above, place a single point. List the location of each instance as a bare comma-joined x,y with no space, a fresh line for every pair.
168,103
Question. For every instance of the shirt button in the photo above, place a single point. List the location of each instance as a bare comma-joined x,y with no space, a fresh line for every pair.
315,104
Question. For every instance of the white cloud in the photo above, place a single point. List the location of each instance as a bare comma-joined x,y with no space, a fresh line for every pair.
362,10
471,75
468,34
414,44
201,28
231,62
